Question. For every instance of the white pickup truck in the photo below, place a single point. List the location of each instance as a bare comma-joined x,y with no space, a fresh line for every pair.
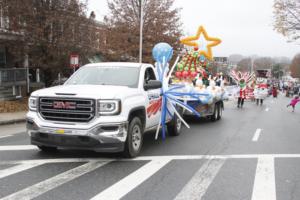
105,107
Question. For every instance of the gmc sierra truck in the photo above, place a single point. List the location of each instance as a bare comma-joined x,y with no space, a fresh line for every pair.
105,107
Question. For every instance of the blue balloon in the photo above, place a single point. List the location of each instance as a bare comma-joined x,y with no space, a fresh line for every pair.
202,58
162,51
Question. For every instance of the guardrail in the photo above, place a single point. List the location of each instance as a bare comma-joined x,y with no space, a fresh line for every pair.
13,76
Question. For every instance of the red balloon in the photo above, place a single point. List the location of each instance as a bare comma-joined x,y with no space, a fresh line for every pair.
185,74
178,74
193,74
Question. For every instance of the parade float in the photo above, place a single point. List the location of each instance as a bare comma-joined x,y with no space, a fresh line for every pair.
261,86
244,81
188,87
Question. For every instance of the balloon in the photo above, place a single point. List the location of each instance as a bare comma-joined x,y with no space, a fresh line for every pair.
192,69
193,41
202,59
162,52
178,74
186,69
185,74
193,74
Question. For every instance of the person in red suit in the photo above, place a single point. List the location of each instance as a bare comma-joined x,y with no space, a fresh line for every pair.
242,95
274,92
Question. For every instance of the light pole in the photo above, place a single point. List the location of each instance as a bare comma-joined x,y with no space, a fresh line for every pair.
141,32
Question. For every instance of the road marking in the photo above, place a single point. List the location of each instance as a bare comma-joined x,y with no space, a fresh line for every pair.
264,184
18,147
267,109
16,169
149,158
124,186
198,185
256,135
49,184
5,136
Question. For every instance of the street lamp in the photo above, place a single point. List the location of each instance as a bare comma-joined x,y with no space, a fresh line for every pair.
141,32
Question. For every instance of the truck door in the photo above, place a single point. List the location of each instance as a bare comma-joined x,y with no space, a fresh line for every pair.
153,101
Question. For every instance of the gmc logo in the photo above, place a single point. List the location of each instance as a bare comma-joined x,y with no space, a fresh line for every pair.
64,105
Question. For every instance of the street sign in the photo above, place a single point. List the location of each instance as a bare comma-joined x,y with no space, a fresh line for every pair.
74,60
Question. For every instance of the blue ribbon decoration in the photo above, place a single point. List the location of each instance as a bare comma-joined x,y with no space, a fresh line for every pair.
172,95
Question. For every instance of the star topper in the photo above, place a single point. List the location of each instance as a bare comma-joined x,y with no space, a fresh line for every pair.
193,41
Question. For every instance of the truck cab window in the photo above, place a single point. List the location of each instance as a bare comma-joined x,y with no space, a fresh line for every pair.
149,75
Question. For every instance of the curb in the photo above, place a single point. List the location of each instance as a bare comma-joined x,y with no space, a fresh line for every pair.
13,121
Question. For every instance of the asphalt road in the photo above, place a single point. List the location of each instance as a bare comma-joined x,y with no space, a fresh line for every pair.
251,154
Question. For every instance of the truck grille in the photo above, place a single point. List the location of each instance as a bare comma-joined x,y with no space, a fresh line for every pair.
67,109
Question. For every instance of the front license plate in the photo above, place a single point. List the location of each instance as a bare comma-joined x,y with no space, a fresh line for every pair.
60,131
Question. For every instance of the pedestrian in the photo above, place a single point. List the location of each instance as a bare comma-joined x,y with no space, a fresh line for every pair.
260,93
242,94
293,102
274,92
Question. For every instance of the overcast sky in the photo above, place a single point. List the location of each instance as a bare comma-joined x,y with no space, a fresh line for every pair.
244,26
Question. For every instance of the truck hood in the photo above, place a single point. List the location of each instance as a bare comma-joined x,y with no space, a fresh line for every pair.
87,91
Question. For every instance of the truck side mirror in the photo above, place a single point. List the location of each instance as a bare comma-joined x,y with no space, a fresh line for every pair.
152,84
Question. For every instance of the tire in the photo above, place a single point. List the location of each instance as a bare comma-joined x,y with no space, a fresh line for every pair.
174,127
214,116
47,149
220,111
134,139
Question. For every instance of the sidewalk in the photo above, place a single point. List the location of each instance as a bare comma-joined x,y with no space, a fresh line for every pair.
12,118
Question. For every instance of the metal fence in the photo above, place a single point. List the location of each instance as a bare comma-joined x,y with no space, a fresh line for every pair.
13,76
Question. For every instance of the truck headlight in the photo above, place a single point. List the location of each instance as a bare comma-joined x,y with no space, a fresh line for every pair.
33,103
109,107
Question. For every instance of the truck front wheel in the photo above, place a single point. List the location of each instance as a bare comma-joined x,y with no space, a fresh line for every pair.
47,149
134,139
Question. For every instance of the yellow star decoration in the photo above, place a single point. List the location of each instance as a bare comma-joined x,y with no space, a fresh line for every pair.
192,41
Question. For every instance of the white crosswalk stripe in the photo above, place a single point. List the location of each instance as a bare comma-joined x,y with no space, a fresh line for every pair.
264,186
44,186
16,169
130,182
198,185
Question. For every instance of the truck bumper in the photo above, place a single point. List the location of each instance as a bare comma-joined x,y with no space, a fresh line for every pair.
100,138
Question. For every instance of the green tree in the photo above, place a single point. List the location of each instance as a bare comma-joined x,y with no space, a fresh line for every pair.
161,23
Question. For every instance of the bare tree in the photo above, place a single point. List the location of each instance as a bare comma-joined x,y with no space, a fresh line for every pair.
263,63
161,24
52,30
295,66
287,18
244,65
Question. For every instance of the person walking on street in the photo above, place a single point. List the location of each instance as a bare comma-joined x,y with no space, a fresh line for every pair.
293,102
274,92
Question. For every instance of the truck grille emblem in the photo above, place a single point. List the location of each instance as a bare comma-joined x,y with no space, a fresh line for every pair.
64,105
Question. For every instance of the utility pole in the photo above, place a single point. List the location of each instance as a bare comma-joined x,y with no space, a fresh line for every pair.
141,32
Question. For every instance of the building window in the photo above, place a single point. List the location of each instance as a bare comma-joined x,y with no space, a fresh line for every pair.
4,21
1,17
2,57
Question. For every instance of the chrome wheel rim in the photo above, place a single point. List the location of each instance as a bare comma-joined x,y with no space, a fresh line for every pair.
136,137
178,124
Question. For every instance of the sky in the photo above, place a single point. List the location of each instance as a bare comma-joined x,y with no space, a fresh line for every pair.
244,26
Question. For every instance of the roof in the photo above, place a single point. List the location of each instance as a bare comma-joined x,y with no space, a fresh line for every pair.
116,64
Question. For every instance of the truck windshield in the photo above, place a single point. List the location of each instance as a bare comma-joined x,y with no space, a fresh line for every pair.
100,75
